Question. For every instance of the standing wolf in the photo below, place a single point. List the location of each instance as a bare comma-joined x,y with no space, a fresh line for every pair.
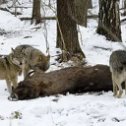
118,69
33,58
10,68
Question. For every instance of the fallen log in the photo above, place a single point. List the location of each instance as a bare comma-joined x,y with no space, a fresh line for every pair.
53,18
42,18
73,80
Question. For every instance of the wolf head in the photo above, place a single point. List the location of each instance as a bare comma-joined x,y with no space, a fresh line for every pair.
15,60
41,63
31,57
24,90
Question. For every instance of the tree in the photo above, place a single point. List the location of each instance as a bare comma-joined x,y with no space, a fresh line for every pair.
77,10
124,8
3,1
109,20
36,14
67,35
89,3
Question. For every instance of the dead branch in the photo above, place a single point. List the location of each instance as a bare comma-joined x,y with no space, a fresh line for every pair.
54,18
7,10
42,18
103,48
92,16
123,20
122,8
20,7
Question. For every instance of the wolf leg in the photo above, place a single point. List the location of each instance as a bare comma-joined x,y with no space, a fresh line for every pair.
14,82
120,90
115,91
125,86
9,87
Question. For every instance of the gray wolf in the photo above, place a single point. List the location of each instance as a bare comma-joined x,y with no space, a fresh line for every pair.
31,57
117,64
9,71
72,80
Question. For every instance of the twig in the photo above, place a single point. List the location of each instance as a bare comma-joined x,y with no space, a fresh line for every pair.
123,20
98,47
46,35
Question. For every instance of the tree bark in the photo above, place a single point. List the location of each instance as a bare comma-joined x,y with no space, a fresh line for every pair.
77,10
109,20
124,7
3,2
67,35
90,4
36,14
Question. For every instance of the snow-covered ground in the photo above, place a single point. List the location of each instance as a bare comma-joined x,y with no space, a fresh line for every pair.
70,110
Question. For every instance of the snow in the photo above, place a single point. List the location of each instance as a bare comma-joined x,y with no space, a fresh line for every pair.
9,22
87,109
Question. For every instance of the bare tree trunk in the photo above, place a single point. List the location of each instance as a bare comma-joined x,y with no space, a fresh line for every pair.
124,8
109,20
3,1
14,4
89,3
77,10
67,35
36,14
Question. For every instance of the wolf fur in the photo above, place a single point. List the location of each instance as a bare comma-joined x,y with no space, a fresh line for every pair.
117,64
33,58
72,80
9,71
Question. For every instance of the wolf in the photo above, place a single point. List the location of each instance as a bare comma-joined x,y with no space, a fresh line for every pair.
71,79
32,58
10,68
117,63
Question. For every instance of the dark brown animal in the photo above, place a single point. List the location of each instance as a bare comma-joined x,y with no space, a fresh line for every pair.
73,80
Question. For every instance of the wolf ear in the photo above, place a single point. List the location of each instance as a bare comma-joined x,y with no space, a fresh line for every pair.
13,51
48,57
